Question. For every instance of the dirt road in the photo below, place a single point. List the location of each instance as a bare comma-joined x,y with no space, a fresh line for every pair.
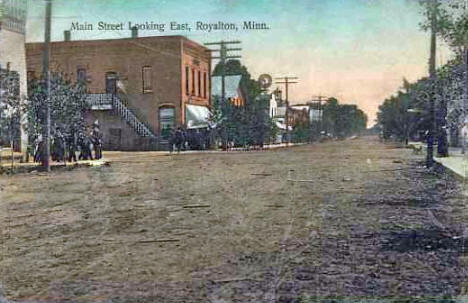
350,219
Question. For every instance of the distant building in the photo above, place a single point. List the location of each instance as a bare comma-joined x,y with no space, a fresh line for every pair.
314,110
296,116
140,88
12,51
233,90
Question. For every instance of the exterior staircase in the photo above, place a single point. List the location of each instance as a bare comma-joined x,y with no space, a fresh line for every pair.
111,101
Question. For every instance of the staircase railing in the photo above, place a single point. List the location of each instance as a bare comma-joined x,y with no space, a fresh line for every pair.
136,111
111,101
131,118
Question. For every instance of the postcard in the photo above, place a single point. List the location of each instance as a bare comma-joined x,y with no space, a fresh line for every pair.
233,151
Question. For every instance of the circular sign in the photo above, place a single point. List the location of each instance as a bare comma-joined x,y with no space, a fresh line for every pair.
265,81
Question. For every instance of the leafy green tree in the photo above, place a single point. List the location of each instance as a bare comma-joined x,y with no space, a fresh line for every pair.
402,116
11,108
343,120
451,24
67,106
235,67
451,21
245,125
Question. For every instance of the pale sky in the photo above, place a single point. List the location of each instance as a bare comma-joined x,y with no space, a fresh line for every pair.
356,50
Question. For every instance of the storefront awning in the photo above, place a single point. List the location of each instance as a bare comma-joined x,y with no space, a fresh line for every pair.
196,116
282,126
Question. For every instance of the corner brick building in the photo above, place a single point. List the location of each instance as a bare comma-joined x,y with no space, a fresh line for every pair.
139,87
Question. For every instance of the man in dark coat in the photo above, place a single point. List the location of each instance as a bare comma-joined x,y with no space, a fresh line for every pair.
58,146
179,139
71,142
96,138
86,146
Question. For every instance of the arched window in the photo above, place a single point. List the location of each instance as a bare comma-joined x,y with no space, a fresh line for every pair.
166,121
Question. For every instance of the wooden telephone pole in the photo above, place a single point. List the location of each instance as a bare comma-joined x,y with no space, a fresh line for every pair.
46,73
223,57
319,100
432,76
286,81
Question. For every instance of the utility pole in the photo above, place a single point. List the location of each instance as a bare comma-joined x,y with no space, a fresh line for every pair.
223,57
46,74
465,100
2,92
286,81
432,76
319,99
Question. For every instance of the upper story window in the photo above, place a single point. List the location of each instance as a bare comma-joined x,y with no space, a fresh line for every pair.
193,82
111,82
187,80
199,84
81,75
205,84
31,75
147,76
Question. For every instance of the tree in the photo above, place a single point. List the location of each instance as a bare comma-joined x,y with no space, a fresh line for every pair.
245,125
343,120
11,108
401,116
235,67
451,24
67,106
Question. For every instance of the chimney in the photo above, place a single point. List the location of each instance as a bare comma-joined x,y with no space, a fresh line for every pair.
134,32
67,35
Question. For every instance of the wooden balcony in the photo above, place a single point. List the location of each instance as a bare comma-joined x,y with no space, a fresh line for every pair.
100,101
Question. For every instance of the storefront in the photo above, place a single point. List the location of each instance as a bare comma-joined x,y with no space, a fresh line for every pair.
196,116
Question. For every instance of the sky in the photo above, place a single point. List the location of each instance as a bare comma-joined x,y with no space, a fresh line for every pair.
358,51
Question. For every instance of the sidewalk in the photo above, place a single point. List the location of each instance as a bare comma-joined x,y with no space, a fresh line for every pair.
455,162
111,156
6,156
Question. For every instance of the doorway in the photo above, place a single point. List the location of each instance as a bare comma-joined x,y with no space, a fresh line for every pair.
111,83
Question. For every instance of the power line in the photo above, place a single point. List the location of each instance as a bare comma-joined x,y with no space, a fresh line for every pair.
319,99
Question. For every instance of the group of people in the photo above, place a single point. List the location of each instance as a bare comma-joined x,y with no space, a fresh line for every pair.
65,146
194,139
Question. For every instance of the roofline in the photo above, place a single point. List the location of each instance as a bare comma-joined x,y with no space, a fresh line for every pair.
71,42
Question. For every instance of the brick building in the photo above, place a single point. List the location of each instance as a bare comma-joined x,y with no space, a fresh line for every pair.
296,116
139,87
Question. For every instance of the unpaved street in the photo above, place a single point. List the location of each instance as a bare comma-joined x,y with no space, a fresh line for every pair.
349,219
